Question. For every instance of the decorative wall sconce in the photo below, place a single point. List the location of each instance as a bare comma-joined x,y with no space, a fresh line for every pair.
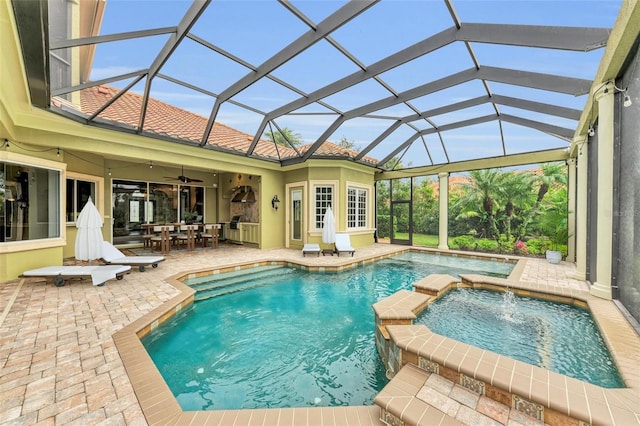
275,202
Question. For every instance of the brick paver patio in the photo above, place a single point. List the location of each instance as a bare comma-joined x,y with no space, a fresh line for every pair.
59,363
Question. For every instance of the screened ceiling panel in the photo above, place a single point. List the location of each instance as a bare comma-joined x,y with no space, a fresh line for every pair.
392,141
519,140
451,95
354,128
395,111
418,154
316,67
254,95
463,114
432,82
429,67
171,93
196,64
259,29
462,143
358,95
547,61
538,116
391,26
315,125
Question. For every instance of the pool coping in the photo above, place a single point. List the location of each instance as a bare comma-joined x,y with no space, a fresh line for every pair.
158,404
543,394
161,407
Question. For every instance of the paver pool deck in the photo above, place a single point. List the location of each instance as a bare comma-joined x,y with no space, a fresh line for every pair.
60,364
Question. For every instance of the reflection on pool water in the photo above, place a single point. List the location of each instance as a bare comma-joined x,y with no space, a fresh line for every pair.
290,338
555,336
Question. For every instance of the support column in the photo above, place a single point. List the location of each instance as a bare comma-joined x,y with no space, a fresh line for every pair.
443,222
571,220
604,222
581,209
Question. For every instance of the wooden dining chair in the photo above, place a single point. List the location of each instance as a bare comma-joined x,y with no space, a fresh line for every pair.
187,236
210,233
161,239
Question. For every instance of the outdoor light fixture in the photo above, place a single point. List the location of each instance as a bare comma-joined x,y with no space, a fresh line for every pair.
627,99
275,202
591,131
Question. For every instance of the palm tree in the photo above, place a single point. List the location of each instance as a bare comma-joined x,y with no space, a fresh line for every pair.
484,190
285,137
552,174
516,192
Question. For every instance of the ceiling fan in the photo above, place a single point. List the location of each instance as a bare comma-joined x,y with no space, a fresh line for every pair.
184,179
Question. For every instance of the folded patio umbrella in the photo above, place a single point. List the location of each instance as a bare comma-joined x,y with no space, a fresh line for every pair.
89,238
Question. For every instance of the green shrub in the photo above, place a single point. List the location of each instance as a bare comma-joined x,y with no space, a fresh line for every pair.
538,246
486,245
463,242
505,245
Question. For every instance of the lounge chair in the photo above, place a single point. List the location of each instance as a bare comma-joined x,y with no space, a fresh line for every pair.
99,273
113,256
343,244
311,248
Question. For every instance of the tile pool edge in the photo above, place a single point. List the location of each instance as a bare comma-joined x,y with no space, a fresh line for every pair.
513,382
160,406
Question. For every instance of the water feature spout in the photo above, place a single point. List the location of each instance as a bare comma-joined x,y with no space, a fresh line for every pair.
509,304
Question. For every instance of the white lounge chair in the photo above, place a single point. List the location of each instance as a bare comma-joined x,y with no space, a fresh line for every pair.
112,256
99,273
311,248
343,244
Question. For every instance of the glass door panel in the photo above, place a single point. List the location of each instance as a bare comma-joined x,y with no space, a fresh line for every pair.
401,222
296,215
401,211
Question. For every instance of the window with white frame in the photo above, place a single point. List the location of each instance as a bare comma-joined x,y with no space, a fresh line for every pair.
79,189
323,196
357,207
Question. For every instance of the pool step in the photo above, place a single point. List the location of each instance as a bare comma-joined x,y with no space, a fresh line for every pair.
229,282
191,282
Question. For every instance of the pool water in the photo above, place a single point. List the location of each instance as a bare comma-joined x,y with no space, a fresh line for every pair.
290,338
530,330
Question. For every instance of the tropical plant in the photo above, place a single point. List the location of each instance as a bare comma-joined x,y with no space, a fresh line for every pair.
516,195
553,174
189,215
285,137
554,222
348,144
483,190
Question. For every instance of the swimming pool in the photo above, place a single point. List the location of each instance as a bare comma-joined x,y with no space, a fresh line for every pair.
290,338
534,331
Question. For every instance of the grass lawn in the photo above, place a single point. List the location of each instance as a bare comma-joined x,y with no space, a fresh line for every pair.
423,240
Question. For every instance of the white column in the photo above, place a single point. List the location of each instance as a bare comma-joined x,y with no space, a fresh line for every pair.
443,197
604,222
581,209
571,222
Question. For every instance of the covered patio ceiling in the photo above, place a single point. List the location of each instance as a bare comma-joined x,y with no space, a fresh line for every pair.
427,83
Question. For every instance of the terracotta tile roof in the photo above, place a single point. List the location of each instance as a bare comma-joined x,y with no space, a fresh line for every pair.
330,149
166,120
